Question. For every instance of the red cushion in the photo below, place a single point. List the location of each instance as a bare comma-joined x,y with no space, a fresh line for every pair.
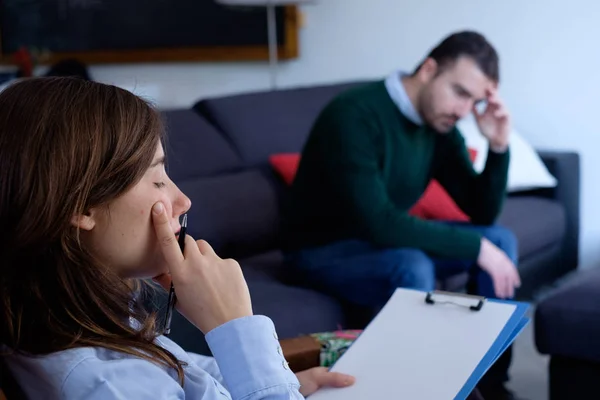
435,203
286,165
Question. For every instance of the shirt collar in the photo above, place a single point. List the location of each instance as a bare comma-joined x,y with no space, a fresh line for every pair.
397,92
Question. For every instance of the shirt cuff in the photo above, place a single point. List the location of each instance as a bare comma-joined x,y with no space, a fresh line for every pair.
249,356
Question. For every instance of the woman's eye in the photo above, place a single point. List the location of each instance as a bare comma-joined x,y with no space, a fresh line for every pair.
159,184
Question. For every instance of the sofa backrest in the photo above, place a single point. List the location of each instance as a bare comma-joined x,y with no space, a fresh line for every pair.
260,124
195,148
237,213
218,155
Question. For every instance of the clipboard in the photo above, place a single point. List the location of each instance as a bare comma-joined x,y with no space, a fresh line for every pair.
430,299
428,346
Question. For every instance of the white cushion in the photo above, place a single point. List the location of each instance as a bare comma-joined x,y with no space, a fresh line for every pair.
526,170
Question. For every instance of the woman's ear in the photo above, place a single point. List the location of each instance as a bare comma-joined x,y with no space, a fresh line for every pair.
84,221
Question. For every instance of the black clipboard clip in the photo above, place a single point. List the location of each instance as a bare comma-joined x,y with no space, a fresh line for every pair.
480,299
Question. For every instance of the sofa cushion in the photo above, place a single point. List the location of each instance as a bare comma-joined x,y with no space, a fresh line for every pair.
237,213
296,311
537,222
269,265
194,147
264,123
567,321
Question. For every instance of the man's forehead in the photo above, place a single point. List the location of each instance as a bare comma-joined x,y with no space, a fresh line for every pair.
466,73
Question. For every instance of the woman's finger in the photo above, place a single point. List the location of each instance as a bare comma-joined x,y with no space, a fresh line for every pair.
205,248
166,237
324,378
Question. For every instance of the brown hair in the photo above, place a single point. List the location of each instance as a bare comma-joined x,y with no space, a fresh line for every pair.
467,44
68,145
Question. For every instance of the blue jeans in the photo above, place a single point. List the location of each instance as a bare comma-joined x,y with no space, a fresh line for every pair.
357,272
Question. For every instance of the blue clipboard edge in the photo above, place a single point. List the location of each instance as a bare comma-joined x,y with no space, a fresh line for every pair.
512,329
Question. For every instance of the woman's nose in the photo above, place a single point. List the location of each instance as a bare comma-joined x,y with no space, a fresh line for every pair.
181,203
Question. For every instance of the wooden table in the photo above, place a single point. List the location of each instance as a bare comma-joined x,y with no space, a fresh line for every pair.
301,353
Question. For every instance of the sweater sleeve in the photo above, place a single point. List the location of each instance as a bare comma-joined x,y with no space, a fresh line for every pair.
480,196
362,191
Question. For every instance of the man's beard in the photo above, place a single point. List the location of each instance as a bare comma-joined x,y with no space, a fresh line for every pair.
448,122
443,123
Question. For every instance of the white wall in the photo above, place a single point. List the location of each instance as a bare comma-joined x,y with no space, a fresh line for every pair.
550,67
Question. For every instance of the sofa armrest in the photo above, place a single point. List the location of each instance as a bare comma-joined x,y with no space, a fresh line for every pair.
565,167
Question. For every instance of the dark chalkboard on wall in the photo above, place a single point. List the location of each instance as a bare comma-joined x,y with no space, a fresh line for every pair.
99,31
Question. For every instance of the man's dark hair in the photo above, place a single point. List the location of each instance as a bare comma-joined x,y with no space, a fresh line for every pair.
467,44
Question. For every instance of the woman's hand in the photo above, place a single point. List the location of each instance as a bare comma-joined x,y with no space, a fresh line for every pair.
210,291
314,379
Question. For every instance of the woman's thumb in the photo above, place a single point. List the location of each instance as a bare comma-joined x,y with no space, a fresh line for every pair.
341,380
333,379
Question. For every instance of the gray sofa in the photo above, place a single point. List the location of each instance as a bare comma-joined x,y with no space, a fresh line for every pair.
218,154
567,328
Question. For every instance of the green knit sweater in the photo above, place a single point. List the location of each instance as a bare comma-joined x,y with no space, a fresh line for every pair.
365,165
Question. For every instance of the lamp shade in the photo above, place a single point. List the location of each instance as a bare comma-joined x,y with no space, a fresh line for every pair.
263,2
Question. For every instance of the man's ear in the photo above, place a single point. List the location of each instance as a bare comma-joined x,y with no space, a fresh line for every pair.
85,221
428,70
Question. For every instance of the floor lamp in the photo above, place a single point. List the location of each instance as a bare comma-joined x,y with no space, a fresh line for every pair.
271,25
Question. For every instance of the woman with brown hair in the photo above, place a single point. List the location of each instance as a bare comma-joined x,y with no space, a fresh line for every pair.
87,211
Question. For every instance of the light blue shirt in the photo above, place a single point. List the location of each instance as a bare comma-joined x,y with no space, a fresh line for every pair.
397,92
248,364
